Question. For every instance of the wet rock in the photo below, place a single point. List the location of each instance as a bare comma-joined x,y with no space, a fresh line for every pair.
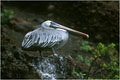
14,61
53,67
15,65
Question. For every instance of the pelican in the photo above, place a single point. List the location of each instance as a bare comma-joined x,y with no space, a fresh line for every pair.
50,35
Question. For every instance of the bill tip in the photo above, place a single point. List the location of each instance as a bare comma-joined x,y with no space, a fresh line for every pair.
87,36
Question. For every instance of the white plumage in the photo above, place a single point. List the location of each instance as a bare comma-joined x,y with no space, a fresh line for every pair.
45,38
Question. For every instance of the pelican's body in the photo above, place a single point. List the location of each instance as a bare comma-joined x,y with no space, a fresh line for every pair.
49,36
45,38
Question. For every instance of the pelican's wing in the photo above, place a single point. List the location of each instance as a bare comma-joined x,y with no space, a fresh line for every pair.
42,38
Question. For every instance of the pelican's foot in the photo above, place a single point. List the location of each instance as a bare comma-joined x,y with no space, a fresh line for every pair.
54,53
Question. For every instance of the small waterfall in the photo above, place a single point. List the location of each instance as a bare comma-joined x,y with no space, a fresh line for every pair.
61,64
51,67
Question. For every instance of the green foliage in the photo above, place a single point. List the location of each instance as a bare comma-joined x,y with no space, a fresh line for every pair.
101,50
79,75
104,56
84,42
113,68
87,62
6,16
80,57
85,46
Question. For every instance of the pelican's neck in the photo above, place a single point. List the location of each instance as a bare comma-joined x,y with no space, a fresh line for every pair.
47,28
54,28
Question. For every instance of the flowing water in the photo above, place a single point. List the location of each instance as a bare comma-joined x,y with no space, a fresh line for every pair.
51,67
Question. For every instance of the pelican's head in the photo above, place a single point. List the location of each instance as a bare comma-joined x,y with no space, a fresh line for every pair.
46,24
52,24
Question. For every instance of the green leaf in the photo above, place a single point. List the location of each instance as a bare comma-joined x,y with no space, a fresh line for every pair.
81,75
84,42
80,57
110,49
104,65
100,45
116,77
77,74
86,48
6,16
78,41
97,53
111,46
9,14
87,62
73,69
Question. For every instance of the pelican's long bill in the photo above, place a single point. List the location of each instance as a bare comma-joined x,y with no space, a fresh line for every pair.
72,30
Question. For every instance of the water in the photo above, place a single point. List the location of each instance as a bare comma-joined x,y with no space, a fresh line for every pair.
51,67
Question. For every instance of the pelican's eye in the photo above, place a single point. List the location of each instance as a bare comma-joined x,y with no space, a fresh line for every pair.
53,24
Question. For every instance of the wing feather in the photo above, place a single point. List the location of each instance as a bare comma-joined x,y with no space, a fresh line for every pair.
42,38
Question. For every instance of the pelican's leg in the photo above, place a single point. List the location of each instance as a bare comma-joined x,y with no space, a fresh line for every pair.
54,53
41,54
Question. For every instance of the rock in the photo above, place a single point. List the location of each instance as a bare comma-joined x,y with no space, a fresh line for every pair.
20,25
